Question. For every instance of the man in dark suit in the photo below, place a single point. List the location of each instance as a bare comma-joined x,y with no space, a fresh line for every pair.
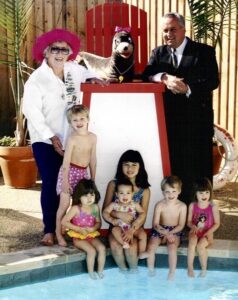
189,71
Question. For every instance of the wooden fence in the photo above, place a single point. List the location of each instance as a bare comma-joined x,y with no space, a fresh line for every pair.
70,14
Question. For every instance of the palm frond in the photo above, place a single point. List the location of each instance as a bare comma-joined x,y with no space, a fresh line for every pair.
210,17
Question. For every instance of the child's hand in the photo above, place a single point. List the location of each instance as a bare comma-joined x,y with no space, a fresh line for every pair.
83,231
89,229
170,238
194,229
66,188
126,217
127,236
209,236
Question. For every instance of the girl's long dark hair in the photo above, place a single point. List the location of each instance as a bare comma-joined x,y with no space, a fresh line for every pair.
84,187
202,185
133,156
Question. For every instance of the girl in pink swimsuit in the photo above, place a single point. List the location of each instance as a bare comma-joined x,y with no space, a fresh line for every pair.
203,221
83,221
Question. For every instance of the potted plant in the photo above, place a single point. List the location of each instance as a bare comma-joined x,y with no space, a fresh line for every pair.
14,23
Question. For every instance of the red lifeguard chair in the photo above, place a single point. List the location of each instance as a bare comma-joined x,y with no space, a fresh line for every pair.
101,21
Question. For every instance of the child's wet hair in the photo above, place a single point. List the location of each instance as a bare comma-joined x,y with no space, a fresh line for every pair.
84,187
171,181
202,185
124,181
77,109
134,157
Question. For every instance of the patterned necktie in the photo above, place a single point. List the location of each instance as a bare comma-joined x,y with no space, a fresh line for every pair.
174,58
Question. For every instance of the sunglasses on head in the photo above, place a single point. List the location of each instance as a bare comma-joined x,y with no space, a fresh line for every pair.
57,50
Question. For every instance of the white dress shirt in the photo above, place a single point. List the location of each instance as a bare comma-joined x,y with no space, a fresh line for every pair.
179,54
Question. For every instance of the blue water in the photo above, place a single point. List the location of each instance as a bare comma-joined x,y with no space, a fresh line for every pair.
217,285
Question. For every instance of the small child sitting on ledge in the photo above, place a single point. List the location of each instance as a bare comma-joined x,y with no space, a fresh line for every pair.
168,222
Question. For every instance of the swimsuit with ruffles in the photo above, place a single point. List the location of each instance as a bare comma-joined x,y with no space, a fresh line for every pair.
84,220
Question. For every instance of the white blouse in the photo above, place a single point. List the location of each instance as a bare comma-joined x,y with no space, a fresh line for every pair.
47,98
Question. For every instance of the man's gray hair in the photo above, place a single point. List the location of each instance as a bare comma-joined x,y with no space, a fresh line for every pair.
177,16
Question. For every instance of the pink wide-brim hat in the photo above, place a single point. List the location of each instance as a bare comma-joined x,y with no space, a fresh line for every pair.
53,36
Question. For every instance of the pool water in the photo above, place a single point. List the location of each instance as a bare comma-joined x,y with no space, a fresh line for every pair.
217,285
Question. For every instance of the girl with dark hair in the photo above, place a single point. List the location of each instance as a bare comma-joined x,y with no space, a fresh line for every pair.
203,221
131,166
83,221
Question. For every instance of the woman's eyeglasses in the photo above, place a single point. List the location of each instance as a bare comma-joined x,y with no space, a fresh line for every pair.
57,50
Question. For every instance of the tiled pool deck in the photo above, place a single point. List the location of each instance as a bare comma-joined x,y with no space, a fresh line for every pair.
45,263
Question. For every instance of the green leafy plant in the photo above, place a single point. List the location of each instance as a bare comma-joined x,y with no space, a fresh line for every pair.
210,17
14,24
8,141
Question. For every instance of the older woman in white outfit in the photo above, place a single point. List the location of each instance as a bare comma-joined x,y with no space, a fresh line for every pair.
49,92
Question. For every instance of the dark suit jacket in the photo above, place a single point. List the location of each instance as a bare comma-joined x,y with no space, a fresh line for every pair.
189,120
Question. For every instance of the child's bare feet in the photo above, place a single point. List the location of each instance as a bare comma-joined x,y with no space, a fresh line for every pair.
100,275
143,255
92,275
123,270
151,272
170,276
191,273
125,245
203,273
61,241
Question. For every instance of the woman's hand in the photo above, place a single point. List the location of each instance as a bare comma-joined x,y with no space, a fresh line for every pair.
99,81
57,144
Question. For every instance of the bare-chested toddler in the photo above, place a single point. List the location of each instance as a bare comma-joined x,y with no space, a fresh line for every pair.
80,153
168,222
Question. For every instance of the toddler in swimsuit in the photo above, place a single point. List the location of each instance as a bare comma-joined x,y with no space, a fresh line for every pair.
203,220
124,203
80,154
168,222
83,222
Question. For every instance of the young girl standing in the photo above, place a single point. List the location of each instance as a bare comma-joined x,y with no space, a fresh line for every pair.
203,221
131,166
80,154
83,221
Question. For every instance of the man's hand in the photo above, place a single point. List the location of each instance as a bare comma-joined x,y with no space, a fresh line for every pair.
175,84
57,144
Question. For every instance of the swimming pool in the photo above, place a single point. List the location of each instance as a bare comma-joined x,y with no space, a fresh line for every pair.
217,285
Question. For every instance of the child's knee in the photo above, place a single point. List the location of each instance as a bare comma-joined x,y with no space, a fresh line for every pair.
200,247
102,249
92,252
142,235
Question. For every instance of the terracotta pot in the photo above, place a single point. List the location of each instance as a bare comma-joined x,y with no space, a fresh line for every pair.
18,166
218,151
